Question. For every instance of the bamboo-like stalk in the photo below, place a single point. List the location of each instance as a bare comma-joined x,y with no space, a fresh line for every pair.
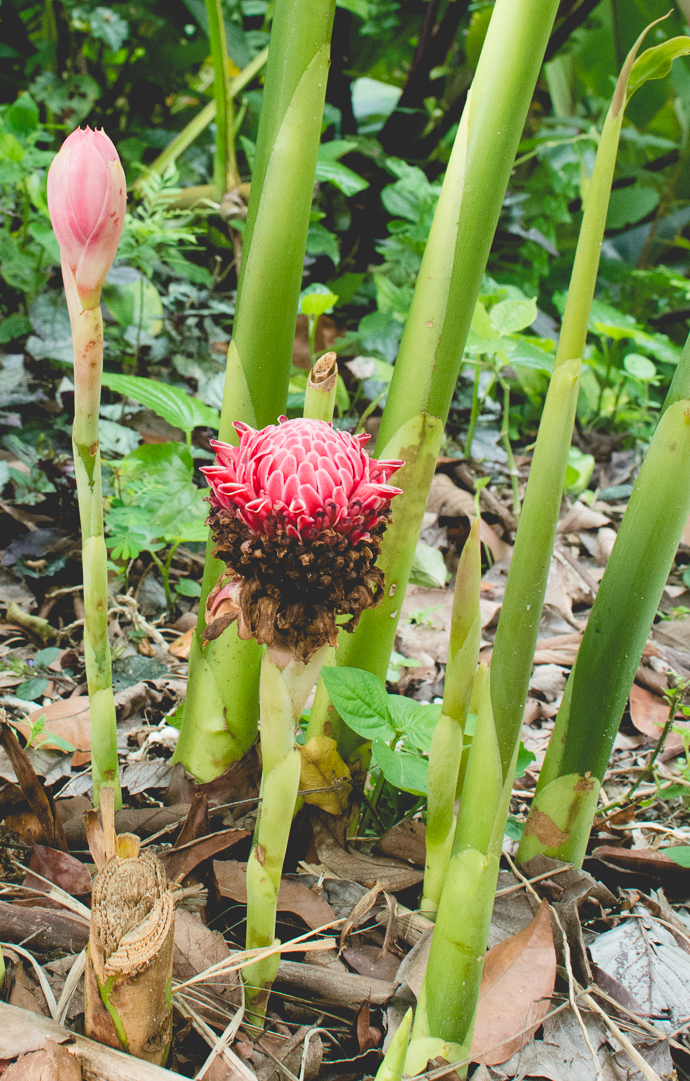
433,342
562,810
518,624
451,984
285,687
319,398
87,338
225,175
446,747
221,709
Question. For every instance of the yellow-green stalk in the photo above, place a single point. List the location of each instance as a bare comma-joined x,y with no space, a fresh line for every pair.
433,342
87,200
446,747
221,709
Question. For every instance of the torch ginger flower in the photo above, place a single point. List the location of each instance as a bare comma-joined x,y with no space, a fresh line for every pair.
86,200
298,512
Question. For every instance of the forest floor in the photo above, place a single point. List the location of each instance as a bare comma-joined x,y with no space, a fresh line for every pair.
585,969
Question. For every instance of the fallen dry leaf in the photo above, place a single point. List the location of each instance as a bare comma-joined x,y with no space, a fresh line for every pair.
68,718
649,714
367,961
63,870
391,875
322,768
580,517
53,1063
182,645
559,650
181,861
517,983
39,800
646,861
293,896
406,841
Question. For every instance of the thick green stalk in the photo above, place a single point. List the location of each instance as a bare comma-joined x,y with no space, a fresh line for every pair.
446,747
87,338
225,176
220,714
285,688
391,1069
612,645
433,342
319,397
520,617
454,969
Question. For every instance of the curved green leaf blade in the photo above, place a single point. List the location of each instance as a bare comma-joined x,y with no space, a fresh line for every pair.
171,403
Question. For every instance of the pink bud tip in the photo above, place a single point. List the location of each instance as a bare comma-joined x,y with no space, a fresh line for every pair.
87,199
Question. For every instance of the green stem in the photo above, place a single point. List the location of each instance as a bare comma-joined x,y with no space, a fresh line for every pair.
87,337
319,398
474,412
505,439
520,616
612,645
221,708
454,261
284,691
446,747
225,176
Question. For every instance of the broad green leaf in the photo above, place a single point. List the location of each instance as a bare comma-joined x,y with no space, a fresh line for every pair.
349,182
482,327
640,367
320,241
361,700
317,304
579,471
136,304
175,509
630,205
525,759
44,657
31,689
679,855
428,568
509,316
410,772
172,403
656,62
416,721
188,587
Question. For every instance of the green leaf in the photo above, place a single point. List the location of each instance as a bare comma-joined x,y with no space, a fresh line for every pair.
322,242
188,587
349,182
656,62
639,367
317,304
524,760
14,326
172,403
44,657
630,205
357,7
508,316
428,568
679,855
55,741
416,721
31,689
136,303
175,508
579,471
410,772
361,700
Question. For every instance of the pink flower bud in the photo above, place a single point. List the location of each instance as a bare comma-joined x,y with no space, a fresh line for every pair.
87,199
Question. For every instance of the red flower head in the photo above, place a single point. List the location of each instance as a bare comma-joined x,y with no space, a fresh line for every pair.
298,511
